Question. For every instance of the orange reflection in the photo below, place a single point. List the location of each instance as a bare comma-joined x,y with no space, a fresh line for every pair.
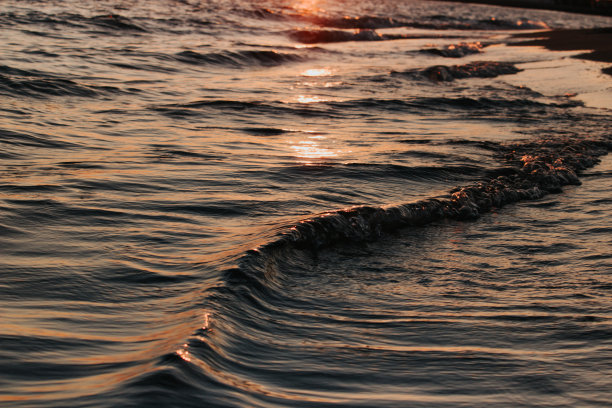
184,353
307,6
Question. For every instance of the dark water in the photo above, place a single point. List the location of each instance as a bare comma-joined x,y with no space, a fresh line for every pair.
300,203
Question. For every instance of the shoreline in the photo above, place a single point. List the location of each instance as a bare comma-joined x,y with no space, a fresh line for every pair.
597,43
598,7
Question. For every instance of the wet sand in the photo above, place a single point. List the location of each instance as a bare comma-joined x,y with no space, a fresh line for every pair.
598,41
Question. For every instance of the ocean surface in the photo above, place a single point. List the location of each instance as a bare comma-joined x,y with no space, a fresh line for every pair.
241,203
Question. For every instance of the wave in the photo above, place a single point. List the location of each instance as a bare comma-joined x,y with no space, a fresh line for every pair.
436,22
206,107
263,13
456,50
478,69
452,23
10,137
534,170
247,58
115,22
360,22
19,82
111,21
366,107
333,36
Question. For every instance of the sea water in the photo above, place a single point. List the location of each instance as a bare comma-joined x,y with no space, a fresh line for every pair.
301,203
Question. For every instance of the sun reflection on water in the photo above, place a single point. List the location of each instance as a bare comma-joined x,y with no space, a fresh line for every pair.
316,72
312,149
307,6
310,99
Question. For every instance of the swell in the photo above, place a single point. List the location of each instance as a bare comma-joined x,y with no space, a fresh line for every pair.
535,169
477,69
37,84
114,24
111,22
246,58
366,107
437,22
333,36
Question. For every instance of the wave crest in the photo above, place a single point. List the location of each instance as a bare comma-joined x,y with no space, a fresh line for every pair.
538,168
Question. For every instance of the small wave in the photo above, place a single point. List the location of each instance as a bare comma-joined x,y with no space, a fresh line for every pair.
199,108
115,22
362,22
10,137
262,13
19,82
372,171
80,165
538,168
479,69
38,17
245,58
264,131
433,22
333,36
444,104
493,23
366,107
41,53
170,152
456,50
40,86
10,71
140,276
521,24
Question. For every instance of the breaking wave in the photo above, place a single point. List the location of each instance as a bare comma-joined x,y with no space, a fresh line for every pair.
535,169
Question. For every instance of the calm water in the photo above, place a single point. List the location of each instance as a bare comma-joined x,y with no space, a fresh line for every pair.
173,179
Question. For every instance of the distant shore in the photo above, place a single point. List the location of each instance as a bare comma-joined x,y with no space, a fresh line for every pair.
597,40
600,7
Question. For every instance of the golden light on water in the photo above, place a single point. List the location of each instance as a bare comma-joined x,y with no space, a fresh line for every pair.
307,6
184,353
312,149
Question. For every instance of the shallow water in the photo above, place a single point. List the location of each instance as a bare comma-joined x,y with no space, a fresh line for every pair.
155,157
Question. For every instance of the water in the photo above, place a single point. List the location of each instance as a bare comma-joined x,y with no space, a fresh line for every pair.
175,179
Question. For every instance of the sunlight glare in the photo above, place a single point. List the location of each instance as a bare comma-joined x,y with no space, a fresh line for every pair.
317,72
310,99
312,149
